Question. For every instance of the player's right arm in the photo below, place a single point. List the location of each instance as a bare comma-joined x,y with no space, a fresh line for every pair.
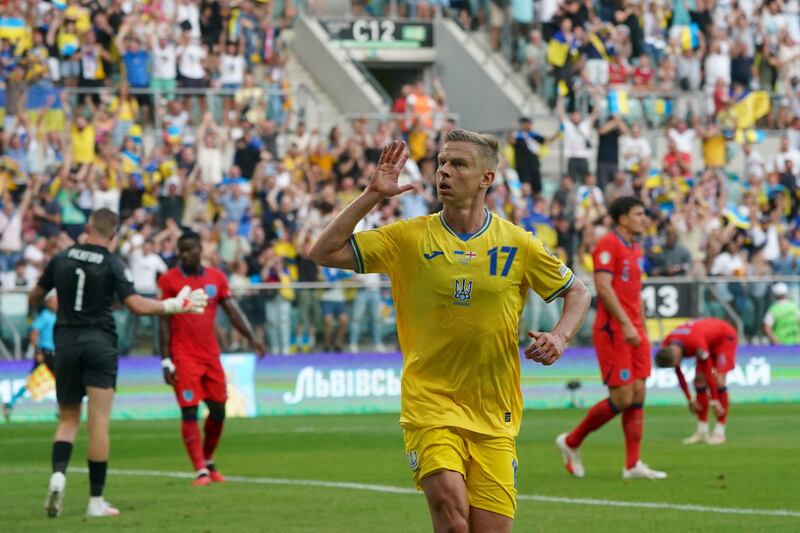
605,291
333,248
186,301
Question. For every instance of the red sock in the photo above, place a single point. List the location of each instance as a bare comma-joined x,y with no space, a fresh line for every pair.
702,399
213,430
191,439
598,415
723,400
633,426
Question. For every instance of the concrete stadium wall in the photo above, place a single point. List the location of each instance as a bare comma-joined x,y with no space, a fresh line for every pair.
333,71
480,101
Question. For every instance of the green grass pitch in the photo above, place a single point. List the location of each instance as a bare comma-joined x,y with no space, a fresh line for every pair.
757,469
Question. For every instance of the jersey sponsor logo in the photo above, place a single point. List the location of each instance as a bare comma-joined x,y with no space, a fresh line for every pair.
412,460
625,374
507,417
563,270
211,290
605,258
433,254
462,292
187,394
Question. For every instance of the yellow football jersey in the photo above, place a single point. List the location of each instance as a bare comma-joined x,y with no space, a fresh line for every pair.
459,301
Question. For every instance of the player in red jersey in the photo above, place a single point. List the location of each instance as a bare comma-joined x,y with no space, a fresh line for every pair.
713,342
190,354
619,336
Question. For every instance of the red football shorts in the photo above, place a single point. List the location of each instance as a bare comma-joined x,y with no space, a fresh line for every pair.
724,356
199,380
620,362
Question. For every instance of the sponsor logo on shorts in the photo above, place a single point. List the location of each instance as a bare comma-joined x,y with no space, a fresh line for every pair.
625,374
507,417
188,395
412,460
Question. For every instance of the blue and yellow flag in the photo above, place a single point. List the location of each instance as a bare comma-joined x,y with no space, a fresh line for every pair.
131,162
690,37
12,28
736,217
173,134
663,107
557,50
749,136
750,107
653,180
618,102
234,26
36,102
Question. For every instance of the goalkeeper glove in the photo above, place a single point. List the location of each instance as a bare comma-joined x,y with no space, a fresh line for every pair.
187,301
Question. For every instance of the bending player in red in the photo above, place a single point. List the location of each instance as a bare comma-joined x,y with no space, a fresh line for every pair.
713,342
620,340
190,354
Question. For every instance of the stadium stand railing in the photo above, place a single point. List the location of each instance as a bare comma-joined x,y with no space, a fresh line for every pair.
668,301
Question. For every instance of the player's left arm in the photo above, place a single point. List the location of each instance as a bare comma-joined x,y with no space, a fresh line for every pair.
547,348
550,279
242,325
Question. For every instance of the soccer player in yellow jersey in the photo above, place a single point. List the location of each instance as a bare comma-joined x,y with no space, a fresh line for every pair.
459,279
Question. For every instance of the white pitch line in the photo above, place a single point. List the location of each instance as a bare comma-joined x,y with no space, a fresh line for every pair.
405,490
269,430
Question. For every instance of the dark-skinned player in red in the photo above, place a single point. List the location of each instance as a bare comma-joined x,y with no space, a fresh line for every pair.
190,354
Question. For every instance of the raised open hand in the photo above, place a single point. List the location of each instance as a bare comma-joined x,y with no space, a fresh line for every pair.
384,179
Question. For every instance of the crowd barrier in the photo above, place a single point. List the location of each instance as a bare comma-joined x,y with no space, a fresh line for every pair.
287,315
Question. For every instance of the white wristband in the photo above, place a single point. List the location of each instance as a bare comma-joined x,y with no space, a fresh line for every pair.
167,364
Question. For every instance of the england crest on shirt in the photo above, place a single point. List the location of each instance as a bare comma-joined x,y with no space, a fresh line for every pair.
211,290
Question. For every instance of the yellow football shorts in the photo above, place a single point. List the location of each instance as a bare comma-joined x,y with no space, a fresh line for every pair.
488,463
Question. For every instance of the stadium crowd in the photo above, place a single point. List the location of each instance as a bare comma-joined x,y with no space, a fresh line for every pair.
259,185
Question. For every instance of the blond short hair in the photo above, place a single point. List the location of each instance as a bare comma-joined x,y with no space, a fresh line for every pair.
487,145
